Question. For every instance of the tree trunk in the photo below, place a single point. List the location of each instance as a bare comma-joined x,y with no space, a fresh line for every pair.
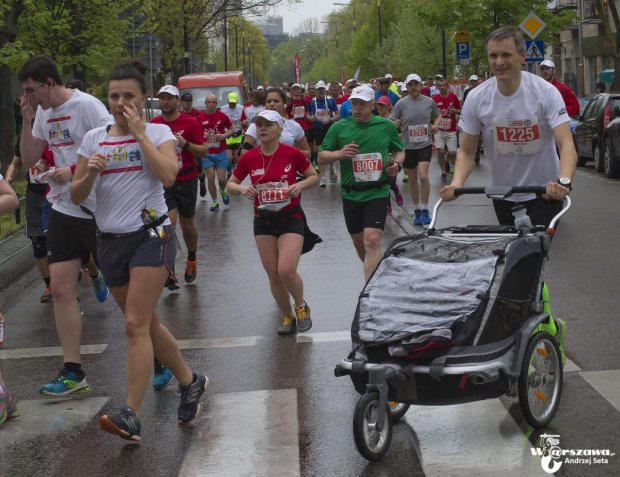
7,123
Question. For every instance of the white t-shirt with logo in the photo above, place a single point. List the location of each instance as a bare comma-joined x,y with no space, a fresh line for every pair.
291,132
63,128
517,130
126,185
252,111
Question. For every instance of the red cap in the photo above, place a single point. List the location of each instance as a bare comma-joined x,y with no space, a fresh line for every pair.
384,100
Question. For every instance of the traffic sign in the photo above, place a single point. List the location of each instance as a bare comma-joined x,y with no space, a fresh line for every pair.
461,36
462,50
534,50
532,25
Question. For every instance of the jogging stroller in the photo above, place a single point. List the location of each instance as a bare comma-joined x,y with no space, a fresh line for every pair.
453,316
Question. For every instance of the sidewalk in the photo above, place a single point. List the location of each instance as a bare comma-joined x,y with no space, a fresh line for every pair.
15,258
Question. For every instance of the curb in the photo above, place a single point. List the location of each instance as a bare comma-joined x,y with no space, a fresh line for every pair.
15,258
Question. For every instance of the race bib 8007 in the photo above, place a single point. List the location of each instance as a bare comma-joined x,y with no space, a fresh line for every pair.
367,167
517,137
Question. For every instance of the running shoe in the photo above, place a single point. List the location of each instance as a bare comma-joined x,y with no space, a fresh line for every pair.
405,178
4,404
101,289
190,272
172,283
288,326
162,376
203,186
444,177
399,198
190,395
322,182
64,384
417,217
389,210
304,322
123,423
11,411
426,217
47,296
215,206
225,197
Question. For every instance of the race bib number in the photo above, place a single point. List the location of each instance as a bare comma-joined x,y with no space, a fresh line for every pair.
322,114
517,137
299,112
445,124
418,133
367,167
273,195
212,142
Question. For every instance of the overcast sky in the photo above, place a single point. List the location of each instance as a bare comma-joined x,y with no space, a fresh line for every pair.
294,15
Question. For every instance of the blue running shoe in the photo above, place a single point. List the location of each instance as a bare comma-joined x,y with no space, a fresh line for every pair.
225,197
64,384
426,217
215,206
417,217
101,289
162,376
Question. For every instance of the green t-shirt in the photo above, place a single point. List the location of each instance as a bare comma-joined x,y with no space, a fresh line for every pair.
379,135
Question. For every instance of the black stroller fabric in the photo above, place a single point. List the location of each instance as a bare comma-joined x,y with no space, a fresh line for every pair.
434,291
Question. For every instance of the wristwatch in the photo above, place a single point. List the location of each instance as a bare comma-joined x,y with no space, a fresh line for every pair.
566,182
185,146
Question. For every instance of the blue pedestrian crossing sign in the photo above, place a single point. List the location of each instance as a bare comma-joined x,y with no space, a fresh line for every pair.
534,50
462,50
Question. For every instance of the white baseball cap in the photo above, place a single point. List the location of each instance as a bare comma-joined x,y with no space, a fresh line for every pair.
269,115
172,90
320,84
548,64
388,75
403,87
259,88
413,77
296,85
473,78
365,93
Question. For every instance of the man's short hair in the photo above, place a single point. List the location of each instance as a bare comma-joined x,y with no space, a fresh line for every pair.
75,84
39,69
506,32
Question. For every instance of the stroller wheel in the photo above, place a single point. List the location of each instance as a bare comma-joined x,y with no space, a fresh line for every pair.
397,410
370,442
540,381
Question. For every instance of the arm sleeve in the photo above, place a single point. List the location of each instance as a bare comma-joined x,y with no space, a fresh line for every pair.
330,141
241,169
468,122
554,108
86,148
196,133
299,132
301,161
251,131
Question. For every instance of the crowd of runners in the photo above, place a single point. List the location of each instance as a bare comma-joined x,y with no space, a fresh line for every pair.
106,189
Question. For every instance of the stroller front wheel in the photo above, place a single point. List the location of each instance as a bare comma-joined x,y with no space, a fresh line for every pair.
540,381
371,443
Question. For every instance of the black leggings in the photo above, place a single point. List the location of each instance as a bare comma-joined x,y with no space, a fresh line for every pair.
540,210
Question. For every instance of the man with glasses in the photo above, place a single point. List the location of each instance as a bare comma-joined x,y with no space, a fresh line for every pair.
63,119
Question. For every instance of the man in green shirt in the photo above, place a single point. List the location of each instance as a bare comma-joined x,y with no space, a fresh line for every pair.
362,144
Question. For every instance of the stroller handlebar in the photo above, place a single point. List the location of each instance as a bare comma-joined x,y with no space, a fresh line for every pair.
500,192
503,193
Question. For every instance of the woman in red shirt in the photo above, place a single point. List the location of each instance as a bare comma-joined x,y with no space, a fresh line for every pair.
278,218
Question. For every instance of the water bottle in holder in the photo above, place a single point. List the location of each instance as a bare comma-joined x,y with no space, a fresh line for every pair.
522,220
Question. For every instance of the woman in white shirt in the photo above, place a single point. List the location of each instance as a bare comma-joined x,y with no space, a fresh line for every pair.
126,164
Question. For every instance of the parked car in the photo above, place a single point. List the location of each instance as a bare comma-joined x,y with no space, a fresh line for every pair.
583,102
588,133
611,148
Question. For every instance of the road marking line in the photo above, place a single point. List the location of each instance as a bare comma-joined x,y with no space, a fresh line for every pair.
48,417
570,366
606,383
218,342
48,351
324,337
506,451
248,433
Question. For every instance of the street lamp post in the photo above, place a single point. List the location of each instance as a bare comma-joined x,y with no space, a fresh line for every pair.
346,5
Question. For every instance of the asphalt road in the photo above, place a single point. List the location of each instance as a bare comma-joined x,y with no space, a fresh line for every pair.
273,406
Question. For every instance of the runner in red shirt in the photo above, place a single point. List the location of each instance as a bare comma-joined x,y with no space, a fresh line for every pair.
187,105
181,196
445,137
298,107
217,128
279,222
